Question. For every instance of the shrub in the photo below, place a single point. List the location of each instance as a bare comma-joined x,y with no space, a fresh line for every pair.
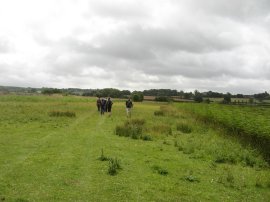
183,127
62,113
114,166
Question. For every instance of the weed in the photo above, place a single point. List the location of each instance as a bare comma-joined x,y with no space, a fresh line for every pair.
102,157
114,166
190,177
159,170
147,137
184,127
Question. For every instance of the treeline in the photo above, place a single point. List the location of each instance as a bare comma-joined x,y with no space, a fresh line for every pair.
160,94
107,92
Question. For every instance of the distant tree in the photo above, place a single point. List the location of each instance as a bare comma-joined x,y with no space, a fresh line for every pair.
49,91
211,94
160,92
137,96
227,98
239,96
261,96
162,99
198,96
181,94
188,95
125,93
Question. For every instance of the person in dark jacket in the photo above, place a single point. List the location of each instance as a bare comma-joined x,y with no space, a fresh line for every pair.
103,106
98,104
129,106
109,106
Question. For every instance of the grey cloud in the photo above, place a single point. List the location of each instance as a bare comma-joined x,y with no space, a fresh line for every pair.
5,45
136,50
243,10
124,10
207,48
137,41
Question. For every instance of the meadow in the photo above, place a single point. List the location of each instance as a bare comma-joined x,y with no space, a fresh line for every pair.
55,148
250,123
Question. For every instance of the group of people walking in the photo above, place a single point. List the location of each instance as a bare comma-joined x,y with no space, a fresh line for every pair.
105,105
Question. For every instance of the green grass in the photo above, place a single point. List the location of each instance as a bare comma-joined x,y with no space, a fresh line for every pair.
250,123
47,158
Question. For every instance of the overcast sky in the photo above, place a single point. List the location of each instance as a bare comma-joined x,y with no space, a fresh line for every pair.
218,45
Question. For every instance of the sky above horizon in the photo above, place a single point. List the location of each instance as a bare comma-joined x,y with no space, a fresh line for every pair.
136,44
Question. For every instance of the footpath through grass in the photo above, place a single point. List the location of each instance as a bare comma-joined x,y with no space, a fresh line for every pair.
57,158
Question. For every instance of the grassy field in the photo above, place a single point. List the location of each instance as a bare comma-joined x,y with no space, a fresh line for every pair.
47,156
252,123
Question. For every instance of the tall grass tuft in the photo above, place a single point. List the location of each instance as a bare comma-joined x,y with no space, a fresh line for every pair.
132,128
184,127
162,129
159,113
114,166
103,157
159,170
135,122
